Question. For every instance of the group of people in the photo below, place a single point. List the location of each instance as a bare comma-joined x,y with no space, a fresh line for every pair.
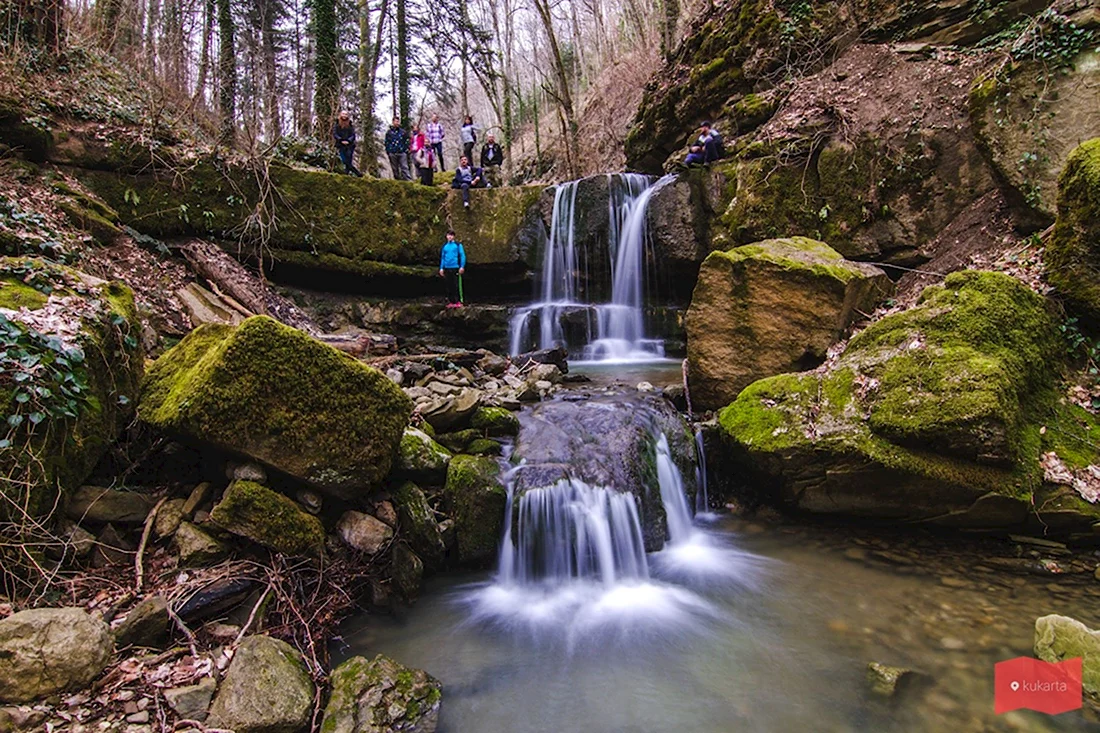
423,150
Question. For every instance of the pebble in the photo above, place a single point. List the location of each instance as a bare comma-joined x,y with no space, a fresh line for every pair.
855,553
952,644
953,582
838,626
139,717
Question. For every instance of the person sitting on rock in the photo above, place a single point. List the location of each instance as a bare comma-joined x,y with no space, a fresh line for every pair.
343,133
466,177
452,264
707,147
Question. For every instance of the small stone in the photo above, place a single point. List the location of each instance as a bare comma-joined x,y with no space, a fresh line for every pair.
199,496
889,681
249,472
952,582
310,500
196,548
168,518
855,553
952,644
407,571
363,532
112,548
645,387
145,625
80,540
396,376
103,506
543,386
192,702
384,511
138,717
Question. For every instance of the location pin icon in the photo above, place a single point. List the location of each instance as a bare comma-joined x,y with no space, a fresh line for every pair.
1015,685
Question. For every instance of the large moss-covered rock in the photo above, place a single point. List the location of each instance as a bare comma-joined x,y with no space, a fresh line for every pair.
265,690
381,696
477,498
48,650
495,421
422,459
274,394
63,413
768,308
254,511
1058,638
1074,247
364,229
932,414
418,524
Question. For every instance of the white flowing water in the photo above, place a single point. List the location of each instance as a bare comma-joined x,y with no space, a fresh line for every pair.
613,331
702,499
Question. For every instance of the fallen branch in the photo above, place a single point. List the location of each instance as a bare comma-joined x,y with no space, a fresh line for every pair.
192,642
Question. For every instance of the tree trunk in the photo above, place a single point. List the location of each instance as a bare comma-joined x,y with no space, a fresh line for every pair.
403,99
370,51
326,93
274,120
669,20
227,74
204,55
565,97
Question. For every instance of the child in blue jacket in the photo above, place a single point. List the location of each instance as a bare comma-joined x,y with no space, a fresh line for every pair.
452,263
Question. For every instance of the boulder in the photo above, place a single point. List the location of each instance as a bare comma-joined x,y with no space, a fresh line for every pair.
407,570
476,499
495,421
1058,638
458,440
82,334
768,308
265,690
381,696
422,459
929,415
450,412
282,398
145,625
102,506
363,532
484,447
418,524
193,701
557,357
275,521
545,373
1074,246
48,650
196,548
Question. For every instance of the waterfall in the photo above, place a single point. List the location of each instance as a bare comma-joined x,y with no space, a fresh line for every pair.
673,497
571,530
702,501
609,331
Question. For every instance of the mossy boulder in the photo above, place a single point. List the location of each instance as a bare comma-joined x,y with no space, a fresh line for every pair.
418,524
266,690
932,414
1058,638
476,498
44,651
280,397
1074,247
82,334
422,459
256,512
495,421
768,308
381,696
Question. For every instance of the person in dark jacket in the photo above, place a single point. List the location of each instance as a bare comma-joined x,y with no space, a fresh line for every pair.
707,147
343,133
397,148
452,264
491,153
468,133
467,177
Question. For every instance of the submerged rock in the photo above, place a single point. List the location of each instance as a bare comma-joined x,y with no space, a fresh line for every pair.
1074,247
381,696
1060,637
269,518
932,414
476,498
272,393
771,307
266,690
407,569
49,650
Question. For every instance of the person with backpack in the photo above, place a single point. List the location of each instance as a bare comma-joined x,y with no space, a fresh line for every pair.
469,137
452,264
343,133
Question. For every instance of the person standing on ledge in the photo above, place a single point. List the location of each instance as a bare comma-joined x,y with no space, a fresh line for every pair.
492,158
435,139
469,137
343,133
397,148
452,264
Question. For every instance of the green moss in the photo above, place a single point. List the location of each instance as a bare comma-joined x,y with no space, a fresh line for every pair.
418,522
269,518
795,253
484,447
271,392
495,421
476,498
15,294
457,441
1074,245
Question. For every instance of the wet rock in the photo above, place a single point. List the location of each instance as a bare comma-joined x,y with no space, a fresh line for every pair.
645,387
892,681
407,571
272,393
768,308
484,447
421,458
363,532
1061,637
1073,244
250,510
476,498
103,506
545,373
169,517
196,548
145,625
49,650
266,689
193,701
418,523
495,421
675,394
380,696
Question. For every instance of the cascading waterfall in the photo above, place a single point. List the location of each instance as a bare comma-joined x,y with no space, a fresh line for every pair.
612,331
673,496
